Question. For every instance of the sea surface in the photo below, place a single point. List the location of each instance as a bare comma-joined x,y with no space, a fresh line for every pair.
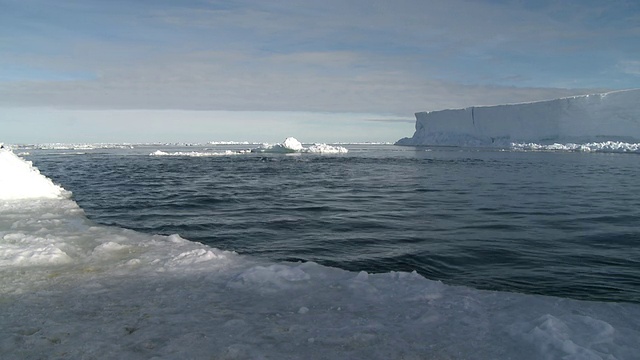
559,223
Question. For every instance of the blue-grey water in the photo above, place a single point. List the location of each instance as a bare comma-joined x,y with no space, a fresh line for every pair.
554,223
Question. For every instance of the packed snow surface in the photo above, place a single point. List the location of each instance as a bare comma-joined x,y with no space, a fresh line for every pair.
589,118
70,288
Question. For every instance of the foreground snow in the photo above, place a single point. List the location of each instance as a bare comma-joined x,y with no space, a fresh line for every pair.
589,118
19,180
70,288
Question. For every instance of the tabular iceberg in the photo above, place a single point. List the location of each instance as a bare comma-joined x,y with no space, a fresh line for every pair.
599,117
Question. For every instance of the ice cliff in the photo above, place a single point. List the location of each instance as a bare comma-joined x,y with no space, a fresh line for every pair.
609,116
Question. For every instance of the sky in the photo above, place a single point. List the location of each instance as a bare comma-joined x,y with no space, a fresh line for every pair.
321,71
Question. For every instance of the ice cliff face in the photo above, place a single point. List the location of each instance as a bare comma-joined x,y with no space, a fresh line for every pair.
608,116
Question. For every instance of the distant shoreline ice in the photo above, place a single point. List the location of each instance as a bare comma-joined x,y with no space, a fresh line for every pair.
289,146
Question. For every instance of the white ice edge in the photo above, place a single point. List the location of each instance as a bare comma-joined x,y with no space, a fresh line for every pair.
72,288
19,179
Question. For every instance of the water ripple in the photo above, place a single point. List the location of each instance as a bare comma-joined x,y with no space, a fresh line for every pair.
560,224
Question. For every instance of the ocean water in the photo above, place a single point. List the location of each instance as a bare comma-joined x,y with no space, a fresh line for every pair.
560,223
381,252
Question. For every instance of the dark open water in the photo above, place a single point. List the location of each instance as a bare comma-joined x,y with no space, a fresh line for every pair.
553,223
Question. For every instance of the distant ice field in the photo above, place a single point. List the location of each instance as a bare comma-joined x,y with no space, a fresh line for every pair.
310,254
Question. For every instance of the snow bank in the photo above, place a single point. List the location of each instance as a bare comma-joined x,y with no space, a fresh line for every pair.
588,118
70,288
326,149
20,180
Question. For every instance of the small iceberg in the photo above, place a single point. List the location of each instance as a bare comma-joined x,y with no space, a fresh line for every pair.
292,145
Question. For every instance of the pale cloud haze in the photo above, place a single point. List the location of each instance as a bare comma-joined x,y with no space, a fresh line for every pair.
238,68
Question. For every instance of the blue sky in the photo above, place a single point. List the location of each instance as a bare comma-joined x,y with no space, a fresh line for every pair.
318,70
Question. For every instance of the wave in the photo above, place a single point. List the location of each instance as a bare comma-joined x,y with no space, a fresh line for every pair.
72,288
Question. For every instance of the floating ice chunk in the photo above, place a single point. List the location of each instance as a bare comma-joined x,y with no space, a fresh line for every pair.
20,180
603,147
327,149
198,153
292,145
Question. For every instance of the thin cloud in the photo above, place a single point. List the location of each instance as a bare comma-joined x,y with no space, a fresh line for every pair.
412,121
361,56
631,67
